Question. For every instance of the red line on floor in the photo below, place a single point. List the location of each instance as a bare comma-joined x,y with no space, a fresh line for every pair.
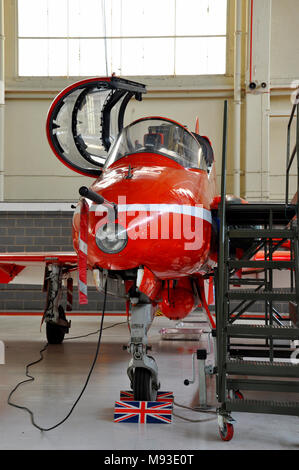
109,314
83,314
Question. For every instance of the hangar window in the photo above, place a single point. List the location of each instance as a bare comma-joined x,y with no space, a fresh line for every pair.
125,37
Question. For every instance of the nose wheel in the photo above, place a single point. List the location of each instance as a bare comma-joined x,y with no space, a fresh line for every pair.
142,370
143,385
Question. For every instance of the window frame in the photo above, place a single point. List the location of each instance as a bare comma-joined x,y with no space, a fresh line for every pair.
158,82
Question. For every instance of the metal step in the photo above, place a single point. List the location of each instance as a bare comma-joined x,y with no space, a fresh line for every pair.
259,213
260,233
263,406
274,264
261,368
251,294
263,385
261,351
245,282
262,331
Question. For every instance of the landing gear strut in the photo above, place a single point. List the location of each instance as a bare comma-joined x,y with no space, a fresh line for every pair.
142,370
54,316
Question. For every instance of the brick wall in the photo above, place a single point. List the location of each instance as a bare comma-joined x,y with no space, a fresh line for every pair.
41,231
49,231
35,231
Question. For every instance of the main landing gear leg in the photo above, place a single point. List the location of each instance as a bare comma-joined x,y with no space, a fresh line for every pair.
54,316
142,369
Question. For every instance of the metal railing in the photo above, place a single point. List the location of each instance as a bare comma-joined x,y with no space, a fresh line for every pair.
295,151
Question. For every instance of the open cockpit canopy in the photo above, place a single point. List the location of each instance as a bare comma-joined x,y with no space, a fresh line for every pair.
85,119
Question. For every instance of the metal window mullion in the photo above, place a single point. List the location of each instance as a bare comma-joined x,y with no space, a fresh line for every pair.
105,35
48,58
16,39
68,42
121,43
174,46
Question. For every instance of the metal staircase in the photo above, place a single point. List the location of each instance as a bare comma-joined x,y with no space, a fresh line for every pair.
256,227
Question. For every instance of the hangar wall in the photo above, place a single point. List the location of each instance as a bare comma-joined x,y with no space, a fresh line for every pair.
32,172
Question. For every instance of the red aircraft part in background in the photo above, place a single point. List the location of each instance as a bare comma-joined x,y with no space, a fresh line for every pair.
155,181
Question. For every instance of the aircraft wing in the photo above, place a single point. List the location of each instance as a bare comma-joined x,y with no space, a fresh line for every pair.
29,268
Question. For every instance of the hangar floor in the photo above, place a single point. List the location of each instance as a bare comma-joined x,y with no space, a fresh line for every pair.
59,379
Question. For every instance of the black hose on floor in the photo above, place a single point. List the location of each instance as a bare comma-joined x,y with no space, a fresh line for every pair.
31,378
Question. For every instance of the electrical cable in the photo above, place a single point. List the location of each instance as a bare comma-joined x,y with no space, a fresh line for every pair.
100,330
95,332
197,411
31,378
194,420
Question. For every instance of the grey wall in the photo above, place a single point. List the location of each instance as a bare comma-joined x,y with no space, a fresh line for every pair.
35,231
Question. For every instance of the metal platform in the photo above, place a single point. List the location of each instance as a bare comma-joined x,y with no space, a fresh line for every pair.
253,228
258,214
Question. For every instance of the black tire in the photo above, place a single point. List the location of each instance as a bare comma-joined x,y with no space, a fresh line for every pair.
142,385
55,333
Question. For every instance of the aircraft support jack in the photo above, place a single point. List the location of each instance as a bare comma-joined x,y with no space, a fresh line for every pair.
203,371
54,316
142,370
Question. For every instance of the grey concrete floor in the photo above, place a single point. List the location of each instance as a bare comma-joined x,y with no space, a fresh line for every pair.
60,377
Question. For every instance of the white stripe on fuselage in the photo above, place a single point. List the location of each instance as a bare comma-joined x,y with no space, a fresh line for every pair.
82,246
194,211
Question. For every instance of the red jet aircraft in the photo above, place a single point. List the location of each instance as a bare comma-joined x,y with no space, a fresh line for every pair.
144,228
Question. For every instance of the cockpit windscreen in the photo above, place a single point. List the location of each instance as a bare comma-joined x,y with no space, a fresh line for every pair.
158,136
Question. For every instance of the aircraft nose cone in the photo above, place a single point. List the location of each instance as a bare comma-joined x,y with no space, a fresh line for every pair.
162,224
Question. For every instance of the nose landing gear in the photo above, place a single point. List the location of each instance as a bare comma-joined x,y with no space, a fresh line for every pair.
143,385
142,370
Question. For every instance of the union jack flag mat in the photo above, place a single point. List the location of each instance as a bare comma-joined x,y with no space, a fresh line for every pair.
128,395
143,412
